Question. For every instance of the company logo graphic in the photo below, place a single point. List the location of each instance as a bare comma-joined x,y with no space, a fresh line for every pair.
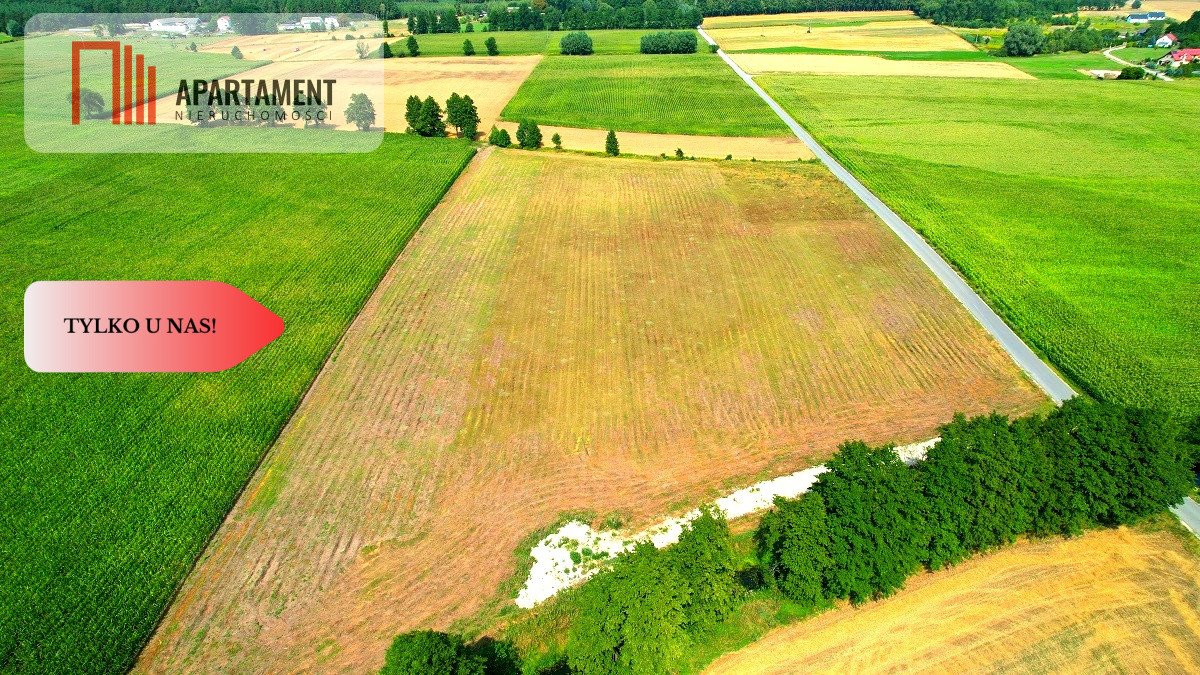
136,109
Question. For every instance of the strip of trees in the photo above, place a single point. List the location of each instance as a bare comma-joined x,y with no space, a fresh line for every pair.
1026,38
425,118
669,42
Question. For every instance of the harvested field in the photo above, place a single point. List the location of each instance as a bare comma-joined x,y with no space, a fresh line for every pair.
914,35
1110,601
825,64
299,46
1176,9
489,82
777,149
569,332
805,18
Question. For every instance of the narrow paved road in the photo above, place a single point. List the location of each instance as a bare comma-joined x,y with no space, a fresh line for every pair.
1189,515
1108,54
1045,377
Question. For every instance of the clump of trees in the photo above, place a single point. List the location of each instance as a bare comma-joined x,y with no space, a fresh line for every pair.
427,652
425,118
641,615
529,136
462,114
1023,39
436,21
576,44
669,42
870,520
1133,73
499,138
1026,38
605,15
996,14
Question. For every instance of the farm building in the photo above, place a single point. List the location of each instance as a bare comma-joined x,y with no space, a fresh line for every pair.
1146,17
224,24
176,25
1179,57
1166,40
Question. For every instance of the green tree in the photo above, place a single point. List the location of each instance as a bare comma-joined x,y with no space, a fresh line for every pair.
361,111
877,532
91,103
462,114
429,119
529,136
412,111
576,43
610,143
557,141
499,138
979,486
236,53
13,28
468,48
492,48
412,24
427,652
704,560
385,50
793,547
363,51
631,618
312,111
413,48
1024,38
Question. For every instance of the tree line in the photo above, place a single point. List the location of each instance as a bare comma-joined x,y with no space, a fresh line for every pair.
1026,38
669,42
871,521
998,13
426,117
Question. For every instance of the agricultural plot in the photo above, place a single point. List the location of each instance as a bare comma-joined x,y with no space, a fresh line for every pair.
893,36
1039,192
807,19
515,43
828,64
490,82
771,148
565,333
1111,600
113,483
662,94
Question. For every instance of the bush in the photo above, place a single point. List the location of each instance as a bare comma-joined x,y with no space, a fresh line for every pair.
236,53
499,138
427,652
1132,73
557,141
492,48
413,48
468,48
669,42
576,43
610,143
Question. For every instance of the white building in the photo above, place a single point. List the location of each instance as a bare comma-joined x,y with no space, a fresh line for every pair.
174,25
224,24
1165,41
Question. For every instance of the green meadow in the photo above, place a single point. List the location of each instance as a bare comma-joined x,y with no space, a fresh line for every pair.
114,483
1064,202
520,43
668,94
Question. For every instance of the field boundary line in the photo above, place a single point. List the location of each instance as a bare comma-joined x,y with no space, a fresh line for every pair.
1108,54
1042,374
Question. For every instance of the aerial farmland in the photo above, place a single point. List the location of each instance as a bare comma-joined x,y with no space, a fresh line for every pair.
653,337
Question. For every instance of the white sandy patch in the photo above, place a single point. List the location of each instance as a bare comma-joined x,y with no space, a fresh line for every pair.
554,569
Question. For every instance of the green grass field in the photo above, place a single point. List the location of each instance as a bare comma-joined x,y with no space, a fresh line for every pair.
518,43
1052,200
669,94
113,483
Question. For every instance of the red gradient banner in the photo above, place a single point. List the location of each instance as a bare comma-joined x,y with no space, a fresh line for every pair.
142,326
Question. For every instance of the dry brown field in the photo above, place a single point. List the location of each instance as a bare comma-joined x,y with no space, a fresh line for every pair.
489,82
1176,9
1109,601
771,149
746,20
827,64
915,35
565,333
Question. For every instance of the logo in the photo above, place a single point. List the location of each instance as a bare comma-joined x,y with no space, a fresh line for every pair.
137,109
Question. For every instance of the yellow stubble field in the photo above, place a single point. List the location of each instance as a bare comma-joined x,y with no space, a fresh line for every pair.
571,333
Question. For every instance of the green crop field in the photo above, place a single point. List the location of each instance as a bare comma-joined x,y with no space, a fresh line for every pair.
518,43
668,94
1062,66
1052,201
958,55
115,482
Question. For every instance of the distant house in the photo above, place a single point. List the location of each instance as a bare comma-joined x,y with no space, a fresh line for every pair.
174,25
224,24
1166,40
1146,17
319,22
289,27
1179,57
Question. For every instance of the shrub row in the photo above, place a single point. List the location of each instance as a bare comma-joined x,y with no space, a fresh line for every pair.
669,42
